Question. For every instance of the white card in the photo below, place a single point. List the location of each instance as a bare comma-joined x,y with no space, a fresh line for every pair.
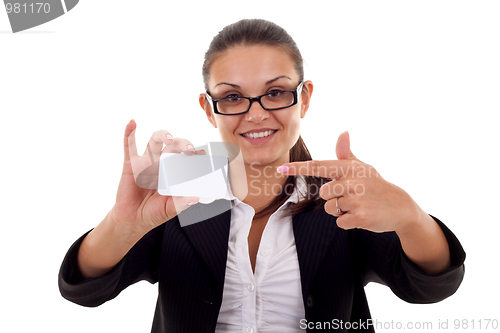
204,176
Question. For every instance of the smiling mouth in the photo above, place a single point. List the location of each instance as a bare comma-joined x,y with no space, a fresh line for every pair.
259,134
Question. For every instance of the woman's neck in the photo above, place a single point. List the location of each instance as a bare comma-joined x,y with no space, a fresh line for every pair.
264,183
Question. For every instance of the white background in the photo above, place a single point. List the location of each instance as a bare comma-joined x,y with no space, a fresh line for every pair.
416,83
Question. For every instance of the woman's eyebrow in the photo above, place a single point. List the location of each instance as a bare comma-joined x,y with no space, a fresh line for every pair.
277,78
267,83
229,84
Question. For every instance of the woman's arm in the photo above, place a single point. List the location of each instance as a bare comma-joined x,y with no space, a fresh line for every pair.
104,247
140,263
379,257
425,245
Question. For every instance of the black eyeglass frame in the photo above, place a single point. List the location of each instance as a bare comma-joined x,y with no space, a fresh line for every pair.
256,99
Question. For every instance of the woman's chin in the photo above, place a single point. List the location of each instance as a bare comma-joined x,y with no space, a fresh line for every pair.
262,160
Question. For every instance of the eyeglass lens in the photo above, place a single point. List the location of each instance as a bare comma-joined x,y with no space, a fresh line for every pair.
273,100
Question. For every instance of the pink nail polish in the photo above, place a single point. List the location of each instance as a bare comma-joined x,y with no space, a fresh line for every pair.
283,169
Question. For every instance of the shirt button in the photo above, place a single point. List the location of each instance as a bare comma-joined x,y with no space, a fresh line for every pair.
250,329
264,252
310,301
251,287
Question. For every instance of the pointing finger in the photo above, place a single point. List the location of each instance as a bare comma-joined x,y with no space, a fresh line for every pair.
326,169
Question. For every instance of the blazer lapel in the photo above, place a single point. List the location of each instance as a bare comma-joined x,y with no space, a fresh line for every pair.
314,231
208,231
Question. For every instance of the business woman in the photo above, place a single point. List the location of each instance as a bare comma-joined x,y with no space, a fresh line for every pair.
293,244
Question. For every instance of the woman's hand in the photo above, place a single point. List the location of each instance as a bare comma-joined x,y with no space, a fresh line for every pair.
138,209
361,198
138,205
366,200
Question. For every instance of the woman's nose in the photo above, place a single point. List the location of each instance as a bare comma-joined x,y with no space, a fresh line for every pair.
256,114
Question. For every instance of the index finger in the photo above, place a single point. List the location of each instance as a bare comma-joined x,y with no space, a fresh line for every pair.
129,140
325,169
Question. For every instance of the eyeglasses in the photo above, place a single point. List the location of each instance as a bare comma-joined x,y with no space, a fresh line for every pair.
235,104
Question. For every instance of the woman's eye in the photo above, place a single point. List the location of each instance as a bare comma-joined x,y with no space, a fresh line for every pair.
233,97
274,93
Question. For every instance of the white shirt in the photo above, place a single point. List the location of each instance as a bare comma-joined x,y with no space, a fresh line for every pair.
271,299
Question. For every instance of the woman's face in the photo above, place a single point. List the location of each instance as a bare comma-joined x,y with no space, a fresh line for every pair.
252,71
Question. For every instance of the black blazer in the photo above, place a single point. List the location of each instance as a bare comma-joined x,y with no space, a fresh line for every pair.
335,264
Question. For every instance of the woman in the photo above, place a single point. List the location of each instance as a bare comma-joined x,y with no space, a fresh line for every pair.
275,261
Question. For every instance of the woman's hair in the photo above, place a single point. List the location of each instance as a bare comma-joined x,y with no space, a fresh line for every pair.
262,32
251,32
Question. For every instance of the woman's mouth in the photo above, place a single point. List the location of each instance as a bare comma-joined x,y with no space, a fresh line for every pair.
259,137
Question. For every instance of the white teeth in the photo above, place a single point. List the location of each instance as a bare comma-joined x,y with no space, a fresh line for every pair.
258,135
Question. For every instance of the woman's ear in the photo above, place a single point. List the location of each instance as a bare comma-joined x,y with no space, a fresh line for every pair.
205,105
307,90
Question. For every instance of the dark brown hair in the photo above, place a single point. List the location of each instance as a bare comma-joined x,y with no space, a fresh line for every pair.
262,32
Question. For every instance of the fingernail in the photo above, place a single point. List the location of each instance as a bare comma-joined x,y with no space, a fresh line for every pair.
190,147
283,169
192,203
169,137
